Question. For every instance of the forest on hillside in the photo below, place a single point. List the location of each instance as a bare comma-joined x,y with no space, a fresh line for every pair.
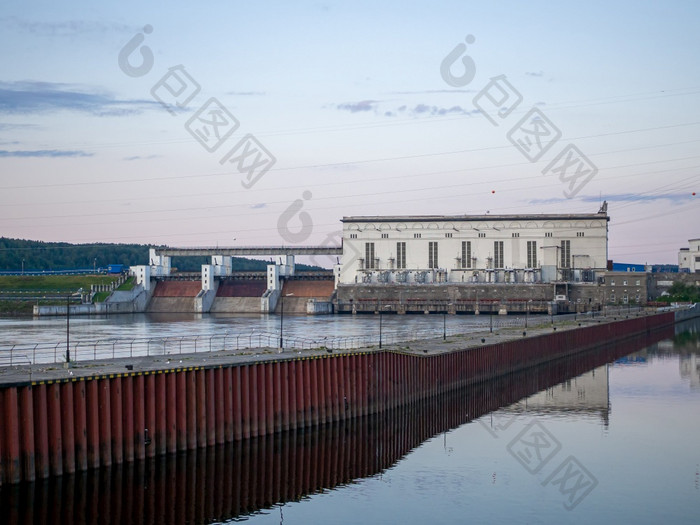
18,254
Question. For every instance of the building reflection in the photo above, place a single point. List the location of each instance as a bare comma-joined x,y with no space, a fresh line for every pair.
585,395
239,479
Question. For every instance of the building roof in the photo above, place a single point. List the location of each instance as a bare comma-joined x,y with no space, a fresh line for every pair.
487,217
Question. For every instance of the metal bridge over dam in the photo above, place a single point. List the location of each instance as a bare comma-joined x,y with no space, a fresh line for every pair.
218,289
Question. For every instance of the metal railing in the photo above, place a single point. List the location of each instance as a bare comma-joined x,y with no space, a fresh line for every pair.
91,350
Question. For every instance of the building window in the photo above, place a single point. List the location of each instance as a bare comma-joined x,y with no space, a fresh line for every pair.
482,235
498,254
580,234
612,282
385,235
401,255
565,254
612,297
369,255
448,235
639,283
548,234
532,254
353,236
624,282
416,235
515,235
466,254
432,255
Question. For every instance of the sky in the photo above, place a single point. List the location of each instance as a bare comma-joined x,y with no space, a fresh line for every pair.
264,123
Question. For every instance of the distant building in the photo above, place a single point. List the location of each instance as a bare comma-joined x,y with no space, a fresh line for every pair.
539,248
689,258
624,288
629,267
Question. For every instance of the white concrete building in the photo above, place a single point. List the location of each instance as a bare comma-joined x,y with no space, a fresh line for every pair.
474,248
689,258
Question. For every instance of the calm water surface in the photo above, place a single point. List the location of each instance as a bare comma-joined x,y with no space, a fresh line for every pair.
615,442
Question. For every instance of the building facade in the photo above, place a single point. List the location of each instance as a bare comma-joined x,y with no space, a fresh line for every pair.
538,248
689,258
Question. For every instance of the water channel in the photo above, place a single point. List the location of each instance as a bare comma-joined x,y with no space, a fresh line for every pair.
610,436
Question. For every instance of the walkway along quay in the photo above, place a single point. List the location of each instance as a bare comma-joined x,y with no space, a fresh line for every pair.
102,413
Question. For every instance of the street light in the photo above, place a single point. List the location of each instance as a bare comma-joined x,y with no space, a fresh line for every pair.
444,322
79,292
527,311
282,321
381,309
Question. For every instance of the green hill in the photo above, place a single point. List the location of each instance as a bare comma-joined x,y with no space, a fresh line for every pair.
18,254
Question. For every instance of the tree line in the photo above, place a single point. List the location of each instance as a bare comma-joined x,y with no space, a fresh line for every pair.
18,254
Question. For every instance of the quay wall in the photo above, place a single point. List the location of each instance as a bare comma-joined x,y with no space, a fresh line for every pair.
51,428
217,484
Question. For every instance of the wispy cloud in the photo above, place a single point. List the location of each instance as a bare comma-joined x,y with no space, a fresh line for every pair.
620,197
416,110
636,197
40,153
358,107
33,97
247,93
534,73
258,206
66,27
433,91
140,157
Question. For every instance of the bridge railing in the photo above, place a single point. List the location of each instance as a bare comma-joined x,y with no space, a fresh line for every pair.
261,341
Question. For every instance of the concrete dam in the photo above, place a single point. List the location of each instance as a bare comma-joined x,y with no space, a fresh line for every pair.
244,295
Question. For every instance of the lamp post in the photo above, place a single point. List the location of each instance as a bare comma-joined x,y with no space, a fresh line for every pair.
527,311
68,296
381,310
282,321
444,322
68,330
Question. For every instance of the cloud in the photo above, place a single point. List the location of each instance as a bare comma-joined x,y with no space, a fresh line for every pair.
10,127
358,107
619,197
67,27
416,111
33,97
247,93
534,73
433,91
40,153
258,206
425,109
139,157
638,197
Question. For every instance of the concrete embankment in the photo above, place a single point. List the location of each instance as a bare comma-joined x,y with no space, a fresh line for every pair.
223,482
97,414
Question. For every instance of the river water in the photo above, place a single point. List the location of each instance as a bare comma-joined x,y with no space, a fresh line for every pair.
607,437
43,340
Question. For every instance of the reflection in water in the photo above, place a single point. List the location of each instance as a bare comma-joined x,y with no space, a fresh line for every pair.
586,395
232,481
